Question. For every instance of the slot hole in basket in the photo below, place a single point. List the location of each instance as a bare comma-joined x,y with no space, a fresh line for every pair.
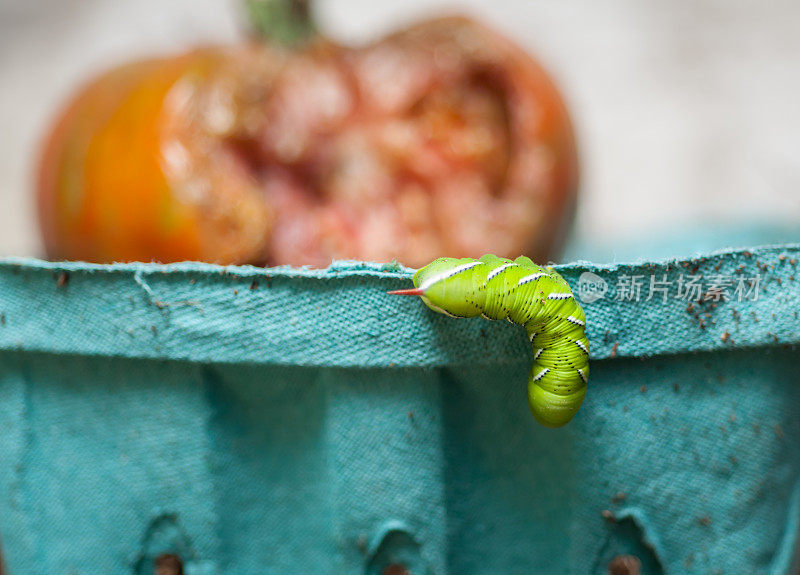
168,564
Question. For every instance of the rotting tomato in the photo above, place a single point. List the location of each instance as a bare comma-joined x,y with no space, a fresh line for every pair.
442,139
133,169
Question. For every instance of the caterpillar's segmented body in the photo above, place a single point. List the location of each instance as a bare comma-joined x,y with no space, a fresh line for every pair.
527,294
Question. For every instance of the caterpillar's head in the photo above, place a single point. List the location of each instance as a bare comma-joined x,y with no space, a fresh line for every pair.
446,286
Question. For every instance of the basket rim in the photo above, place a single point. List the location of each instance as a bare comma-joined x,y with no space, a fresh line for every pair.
339,317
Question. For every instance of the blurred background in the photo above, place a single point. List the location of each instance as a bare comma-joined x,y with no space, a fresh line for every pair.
686,113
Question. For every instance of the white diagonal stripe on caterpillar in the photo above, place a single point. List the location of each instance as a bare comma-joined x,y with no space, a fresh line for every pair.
563,295
583,375
533,335
450,273
576,321
497,271
530,278
541,374
538,353
579,343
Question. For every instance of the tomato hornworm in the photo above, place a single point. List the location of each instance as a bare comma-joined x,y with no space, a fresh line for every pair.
527,294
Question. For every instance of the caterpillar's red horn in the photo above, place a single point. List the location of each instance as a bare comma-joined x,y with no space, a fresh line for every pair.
412,291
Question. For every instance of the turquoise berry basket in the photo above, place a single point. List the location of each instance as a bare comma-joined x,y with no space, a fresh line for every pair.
302,421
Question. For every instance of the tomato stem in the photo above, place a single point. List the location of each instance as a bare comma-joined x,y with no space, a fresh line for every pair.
287,22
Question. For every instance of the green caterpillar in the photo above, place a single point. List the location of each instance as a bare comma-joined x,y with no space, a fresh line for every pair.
527,294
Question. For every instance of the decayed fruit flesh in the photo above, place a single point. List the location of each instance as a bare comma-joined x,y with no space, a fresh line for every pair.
441,139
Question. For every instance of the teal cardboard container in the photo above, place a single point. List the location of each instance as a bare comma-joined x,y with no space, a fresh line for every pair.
302,421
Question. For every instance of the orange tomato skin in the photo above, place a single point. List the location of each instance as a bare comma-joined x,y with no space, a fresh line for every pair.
108,192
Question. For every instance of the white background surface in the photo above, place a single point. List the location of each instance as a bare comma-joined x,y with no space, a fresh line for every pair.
686,111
